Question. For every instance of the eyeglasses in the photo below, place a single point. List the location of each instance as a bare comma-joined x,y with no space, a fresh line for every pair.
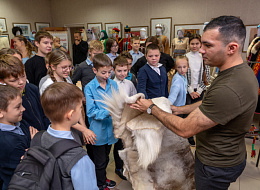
114,45
67,68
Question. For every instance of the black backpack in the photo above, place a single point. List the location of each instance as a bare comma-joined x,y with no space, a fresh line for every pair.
39,169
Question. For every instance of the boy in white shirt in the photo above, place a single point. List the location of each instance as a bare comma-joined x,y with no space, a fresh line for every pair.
120,68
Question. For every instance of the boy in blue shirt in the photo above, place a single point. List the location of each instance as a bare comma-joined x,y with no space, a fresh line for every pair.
65,110
99,119
15,135
152,77
136,54
178,89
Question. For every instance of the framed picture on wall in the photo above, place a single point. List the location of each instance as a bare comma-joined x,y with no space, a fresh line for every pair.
3,26
109,28
40,25
188,29
166,23
26,28
251,33
6,36
135,30
96,28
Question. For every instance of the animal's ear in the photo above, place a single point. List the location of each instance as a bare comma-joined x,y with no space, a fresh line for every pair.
148,134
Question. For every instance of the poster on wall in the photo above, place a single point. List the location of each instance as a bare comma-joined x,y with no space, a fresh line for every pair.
26,28
251,33
3,24
41,25
109,28
166,26
63,35
96,28
135,30
188,29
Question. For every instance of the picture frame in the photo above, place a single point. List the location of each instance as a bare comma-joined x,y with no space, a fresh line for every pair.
40,25
3,25
7,36
166,23
251,31
96,28
135,30
189,28
26,28
109,28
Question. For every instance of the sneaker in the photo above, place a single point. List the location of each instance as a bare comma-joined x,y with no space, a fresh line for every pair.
104,187
119,172
110,184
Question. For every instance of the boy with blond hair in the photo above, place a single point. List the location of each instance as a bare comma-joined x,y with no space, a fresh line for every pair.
136,54
84,71
99,119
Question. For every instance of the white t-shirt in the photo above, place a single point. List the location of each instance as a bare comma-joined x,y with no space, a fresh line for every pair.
47,83
195,64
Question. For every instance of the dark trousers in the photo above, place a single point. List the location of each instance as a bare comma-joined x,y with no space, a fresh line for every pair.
216,178
101,159
118,146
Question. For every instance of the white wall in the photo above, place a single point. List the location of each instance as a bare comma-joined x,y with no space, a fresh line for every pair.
139,12
25,11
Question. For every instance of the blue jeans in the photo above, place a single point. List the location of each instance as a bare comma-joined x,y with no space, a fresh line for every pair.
216,178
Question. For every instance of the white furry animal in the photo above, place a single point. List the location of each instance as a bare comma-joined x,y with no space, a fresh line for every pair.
154,157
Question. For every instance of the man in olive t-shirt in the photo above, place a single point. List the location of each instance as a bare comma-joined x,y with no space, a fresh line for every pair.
226,111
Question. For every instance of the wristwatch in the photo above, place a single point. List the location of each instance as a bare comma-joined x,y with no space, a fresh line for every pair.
149,110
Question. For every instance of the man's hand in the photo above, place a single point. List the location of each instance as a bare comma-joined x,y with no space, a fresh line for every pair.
141,104
175,110
89,136
194,95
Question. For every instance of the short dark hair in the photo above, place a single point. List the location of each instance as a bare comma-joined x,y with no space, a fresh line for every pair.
7,93
77,32
120,61
195,36
59,98
42,34
151,47
101,60
109,44
126,55
231,28
10,52
152,39
10,66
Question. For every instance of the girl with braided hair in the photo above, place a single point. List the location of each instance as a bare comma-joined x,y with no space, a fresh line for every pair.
59,67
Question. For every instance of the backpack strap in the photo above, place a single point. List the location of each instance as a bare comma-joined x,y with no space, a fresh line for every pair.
62,146
36,141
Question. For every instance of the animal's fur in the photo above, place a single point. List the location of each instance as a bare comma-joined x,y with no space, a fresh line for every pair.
154,157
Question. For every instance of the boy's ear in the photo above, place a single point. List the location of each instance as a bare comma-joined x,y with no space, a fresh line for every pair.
69,114
1,114
94,70
2,81
36,43
113,69
130,43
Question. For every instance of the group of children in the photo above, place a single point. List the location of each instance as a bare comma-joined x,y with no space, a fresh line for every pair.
23,112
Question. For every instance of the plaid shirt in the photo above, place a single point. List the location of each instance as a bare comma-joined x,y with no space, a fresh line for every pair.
202,86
